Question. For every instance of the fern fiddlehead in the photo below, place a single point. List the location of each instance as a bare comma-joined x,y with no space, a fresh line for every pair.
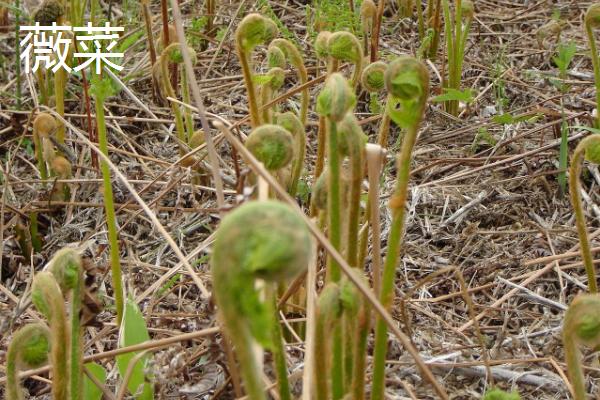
47,298
259,240
252,31
28,348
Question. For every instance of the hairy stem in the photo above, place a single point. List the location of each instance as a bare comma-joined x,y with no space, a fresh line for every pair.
575,191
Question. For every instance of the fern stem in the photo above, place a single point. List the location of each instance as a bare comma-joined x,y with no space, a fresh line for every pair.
111,220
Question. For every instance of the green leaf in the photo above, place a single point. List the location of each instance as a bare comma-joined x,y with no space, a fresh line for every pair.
466,96
587,128
564,56
504,119
90,390
403,113
134,331
28,147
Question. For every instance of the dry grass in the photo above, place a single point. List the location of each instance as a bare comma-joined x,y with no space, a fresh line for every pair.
494,213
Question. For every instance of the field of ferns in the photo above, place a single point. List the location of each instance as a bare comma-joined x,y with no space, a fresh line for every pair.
299,199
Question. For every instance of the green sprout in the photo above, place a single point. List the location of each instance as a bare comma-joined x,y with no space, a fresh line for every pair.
28,348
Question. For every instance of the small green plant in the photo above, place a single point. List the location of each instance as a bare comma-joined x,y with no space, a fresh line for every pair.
592,22
581,328
28,348
335,15
407,80
457,29
252,31
100,90
589,149
262,240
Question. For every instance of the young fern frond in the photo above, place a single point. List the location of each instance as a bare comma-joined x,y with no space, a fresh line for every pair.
373,81
47,298
334,102
272,145
44,125
322,52
344,46
320,192
252,31
368,13
63,170
322,46
407,80
66,266
352,145
581,328
172,54
268,90
589,149
294,57
28,348
290,122
263,240
53,11
275,57
592,22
